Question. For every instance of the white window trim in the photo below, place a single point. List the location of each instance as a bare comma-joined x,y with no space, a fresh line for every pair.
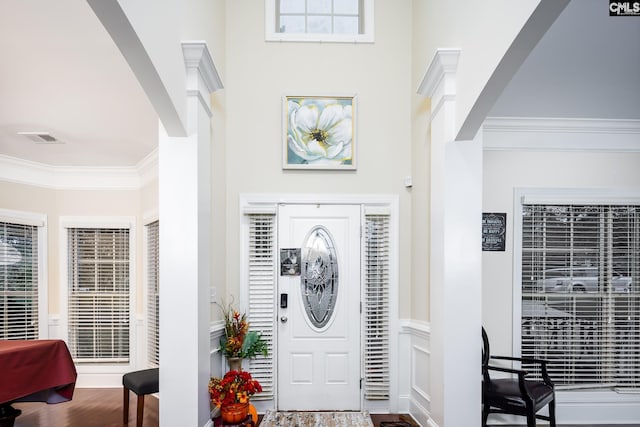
272,36
387,204
99,375
577,406
40,221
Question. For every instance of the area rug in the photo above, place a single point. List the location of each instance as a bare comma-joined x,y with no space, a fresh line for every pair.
316,419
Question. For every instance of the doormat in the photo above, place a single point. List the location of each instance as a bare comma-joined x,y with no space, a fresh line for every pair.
316,419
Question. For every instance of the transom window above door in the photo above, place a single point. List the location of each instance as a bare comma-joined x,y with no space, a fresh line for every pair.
319,20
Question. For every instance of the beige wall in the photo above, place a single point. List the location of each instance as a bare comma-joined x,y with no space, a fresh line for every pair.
506,170
260,73
97,203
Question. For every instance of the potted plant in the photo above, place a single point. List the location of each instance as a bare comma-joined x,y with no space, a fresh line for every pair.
231,394
238,341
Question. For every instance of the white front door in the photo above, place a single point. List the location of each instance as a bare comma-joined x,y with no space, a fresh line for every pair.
319,307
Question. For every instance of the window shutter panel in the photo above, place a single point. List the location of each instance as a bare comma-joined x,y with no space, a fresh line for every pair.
18,281
262,285
580,295
153,295
98,296
376,307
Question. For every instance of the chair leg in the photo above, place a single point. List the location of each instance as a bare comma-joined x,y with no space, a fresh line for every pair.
125,406
531,418
552,413
140,410
485,415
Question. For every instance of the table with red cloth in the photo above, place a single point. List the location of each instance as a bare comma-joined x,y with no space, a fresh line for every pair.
34,371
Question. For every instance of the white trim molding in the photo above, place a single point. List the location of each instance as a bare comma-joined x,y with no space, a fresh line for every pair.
439,81
561,134
13,169
415,383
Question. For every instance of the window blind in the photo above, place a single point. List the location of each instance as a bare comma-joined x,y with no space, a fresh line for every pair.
262,284
18,281
98,295
580,294
376,307
153,295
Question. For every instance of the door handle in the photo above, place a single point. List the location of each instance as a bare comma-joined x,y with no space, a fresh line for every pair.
284,319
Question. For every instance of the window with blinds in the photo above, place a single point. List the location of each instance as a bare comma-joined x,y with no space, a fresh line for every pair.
153,295
98,295
580,293
262,285
18,281
376,307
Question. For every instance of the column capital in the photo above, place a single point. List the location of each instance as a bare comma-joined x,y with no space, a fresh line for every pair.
202,77
439,81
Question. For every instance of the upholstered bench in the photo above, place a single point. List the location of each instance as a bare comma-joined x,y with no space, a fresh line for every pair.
141,383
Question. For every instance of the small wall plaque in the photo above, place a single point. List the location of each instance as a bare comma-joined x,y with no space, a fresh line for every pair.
494,231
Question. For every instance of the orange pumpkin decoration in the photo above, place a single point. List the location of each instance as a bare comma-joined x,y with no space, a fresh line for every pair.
254,414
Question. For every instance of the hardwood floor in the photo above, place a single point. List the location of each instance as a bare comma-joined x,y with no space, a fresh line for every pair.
103,408
89,408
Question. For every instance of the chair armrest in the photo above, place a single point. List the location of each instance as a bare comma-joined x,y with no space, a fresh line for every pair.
521,359
508,370
543,365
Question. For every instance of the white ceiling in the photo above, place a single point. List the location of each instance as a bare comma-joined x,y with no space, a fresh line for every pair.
62,74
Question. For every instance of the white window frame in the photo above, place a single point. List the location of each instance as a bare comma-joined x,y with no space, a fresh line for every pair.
40,221
272,35
99,374
576,405
373,205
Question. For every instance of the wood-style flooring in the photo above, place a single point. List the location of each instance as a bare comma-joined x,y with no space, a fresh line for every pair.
103,408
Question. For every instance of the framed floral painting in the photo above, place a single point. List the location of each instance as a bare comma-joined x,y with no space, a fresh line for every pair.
319,132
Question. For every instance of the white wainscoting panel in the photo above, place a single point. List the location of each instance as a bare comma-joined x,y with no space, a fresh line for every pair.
414,370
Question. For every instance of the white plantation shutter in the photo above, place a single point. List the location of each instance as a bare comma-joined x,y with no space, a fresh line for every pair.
153,295
262,276
376,307
581,293
18,281
98,294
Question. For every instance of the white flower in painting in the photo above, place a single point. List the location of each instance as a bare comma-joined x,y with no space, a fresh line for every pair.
320,131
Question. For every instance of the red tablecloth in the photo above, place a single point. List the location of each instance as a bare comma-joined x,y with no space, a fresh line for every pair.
36,371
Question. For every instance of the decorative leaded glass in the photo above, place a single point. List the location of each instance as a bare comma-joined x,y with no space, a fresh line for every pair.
319,276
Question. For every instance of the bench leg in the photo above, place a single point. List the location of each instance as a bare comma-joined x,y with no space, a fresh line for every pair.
140,410
125,406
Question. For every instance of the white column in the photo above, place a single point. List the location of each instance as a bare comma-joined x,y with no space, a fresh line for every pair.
455,254
185,216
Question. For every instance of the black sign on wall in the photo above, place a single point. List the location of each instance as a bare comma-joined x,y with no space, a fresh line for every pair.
494,231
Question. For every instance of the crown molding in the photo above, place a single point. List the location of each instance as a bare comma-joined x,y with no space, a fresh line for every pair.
21,171
561,134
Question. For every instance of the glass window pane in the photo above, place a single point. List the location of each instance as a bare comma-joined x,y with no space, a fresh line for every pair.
319,6
345,25
292,6
320,24
292,24
349,7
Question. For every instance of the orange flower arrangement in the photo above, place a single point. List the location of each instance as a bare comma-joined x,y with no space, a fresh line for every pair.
238,341
234,387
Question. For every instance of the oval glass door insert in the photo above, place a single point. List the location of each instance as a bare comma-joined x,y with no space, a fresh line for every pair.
319,276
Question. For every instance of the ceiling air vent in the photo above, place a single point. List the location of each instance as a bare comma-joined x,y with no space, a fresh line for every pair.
41,137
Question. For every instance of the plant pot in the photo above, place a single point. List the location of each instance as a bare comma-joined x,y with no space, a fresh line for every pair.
235,363
234,413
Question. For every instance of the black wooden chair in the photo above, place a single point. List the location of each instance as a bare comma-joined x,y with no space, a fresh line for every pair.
141,383
517,396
